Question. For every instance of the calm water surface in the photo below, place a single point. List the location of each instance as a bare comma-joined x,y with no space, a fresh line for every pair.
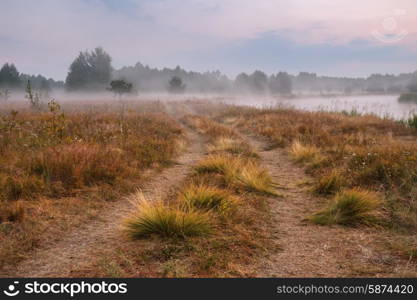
381,105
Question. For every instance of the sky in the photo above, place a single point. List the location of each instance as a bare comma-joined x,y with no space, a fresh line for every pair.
328,37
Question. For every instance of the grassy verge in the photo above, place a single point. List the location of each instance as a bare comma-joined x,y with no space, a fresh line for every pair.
60,167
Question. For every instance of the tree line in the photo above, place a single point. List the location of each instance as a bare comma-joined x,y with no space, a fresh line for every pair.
11,79
93,71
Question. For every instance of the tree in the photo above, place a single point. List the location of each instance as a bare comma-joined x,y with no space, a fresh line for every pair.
120,87
176,85
9,76
40,83
307,81
280,83
412,84
242,82
44,85
258,82
90,71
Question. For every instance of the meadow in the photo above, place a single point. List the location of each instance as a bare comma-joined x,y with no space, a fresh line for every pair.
220,208
214,223
60,166
366,158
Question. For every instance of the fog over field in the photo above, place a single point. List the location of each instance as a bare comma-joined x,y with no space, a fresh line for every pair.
210,47
208,139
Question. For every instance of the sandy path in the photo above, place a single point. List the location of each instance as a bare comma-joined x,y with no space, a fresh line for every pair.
309,250
57,260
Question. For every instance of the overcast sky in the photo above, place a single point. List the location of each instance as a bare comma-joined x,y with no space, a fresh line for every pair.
330,37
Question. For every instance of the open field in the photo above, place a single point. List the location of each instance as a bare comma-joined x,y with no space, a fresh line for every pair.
343,151
205,189
60,168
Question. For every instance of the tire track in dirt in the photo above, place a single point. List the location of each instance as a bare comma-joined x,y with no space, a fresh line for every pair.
76,248
309,250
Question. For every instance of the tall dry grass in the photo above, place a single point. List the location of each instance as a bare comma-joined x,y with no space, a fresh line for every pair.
93,152
345,150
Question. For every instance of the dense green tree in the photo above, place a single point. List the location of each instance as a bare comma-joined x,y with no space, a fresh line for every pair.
9,76
120,87
242,82
258,82
280,84
412,84
90,71
176,85
40,83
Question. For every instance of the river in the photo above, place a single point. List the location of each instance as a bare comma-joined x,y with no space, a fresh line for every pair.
381,105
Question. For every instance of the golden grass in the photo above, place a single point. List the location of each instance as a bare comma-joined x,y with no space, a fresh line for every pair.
235,239
255,179
80,151
329,184
79,165
209,127
208,198
220,164
349,208
223,144
364,150
238,170
155,217
91,152
305,153
233,146
231,249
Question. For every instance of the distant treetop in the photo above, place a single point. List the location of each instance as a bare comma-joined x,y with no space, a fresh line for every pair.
120,87
176,85
90,71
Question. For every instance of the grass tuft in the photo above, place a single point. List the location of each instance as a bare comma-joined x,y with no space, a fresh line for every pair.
233,146
220,164
305,153
329,184
240,171
256,179
348,208
158,218
208,198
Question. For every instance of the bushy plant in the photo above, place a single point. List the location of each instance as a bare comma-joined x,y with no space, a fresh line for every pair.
329,184
349,208
155,217
207,198
233,146
305,153
238,170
